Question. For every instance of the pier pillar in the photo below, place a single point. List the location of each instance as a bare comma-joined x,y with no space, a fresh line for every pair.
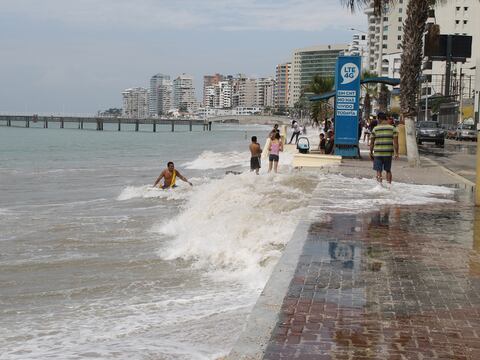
27,123
209,126
9,122
173,126
98,125
154,126
119,125
62,124
81,124
45,124
190,125
136,125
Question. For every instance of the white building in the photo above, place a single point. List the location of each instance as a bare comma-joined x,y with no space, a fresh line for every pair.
311,61
135,103
264,92
359,47
161,92
458,18
385,34
184,93
282,80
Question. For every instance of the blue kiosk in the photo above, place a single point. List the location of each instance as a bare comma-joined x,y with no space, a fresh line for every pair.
347,95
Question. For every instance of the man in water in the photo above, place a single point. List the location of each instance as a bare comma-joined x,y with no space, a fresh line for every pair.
256,153
170,174
383,145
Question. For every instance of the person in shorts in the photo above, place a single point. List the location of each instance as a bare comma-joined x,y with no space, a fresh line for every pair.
256,153
383,147
276,145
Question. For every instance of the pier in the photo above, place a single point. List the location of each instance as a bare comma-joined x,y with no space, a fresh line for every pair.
97,123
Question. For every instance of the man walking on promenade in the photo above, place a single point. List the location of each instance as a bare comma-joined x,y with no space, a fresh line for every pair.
383,145
170,174
256,153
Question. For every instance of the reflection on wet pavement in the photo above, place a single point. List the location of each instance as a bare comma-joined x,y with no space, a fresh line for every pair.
401,283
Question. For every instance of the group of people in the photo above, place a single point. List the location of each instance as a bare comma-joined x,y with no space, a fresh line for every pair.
381,134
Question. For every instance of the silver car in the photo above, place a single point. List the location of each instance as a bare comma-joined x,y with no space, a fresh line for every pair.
466,132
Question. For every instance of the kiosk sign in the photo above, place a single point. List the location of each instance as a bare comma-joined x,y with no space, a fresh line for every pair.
347,80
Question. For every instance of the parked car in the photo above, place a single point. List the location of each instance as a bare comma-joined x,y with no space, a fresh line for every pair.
466,132
430,131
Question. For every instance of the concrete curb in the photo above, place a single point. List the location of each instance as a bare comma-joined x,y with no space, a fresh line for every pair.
450,172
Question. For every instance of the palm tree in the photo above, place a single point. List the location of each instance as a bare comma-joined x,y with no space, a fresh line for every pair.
370,93
383,98
317,86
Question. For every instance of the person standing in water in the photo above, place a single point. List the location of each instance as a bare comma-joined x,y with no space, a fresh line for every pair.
256,153
169,175
275,147
383,146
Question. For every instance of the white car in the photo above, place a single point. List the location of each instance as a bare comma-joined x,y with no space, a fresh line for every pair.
466,132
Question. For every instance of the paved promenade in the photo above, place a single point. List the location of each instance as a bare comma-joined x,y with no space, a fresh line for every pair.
399,283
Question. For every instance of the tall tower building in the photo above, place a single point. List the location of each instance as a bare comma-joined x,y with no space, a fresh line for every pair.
135,103
184,93
160,94
282,79
210,80
264,92
311,61
385,36
359,47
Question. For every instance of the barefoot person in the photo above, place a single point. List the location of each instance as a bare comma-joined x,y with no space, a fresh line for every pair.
256,154
275,147
169,175
383,145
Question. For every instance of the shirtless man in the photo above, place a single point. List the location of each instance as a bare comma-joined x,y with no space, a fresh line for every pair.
170,175
256,153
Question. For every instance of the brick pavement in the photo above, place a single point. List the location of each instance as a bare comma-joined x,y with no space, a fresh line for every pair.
401,283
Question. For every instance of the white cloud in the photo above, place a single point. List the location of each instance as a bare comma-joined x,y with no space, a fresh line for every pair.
228,15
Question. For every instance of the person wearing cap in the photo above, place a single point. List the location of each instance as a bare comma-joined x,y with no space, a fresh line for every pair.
383,147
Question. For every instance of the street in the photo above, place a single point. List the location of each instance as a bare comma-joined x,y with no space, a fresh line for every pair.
457,156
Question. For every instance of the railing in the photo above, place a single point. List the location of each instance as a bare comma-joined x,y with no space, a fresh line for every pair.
26,120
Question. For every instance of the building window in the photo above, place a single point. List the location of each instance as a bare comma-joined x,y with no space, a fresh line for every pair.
384,46
399,19
399,37
400,10
399,46
465,22
399,28
457,22
465,8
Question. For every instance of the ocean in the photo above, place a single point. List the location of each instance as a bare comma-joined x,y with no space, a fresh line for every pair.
95,263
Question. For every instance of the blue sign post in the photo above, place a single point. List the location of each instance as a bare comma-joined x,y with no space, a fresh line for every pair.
347,83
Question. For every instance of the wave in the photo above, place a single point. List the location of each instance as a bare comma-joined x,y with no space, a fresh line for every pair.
212,160
148,191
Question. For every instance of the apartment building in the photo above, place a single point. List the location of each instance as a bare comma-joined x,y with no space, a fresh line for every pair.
208,82
135,103
264,92
385,36
459,17
359,47
161,93
184,93
282,79
311,61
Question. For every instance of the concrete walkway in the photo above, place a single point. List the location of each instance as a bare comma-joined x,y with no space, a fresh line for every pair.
399,283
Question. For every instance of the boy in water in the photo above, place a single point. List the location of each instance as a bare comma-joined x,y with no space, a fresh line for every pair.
256,153
170,174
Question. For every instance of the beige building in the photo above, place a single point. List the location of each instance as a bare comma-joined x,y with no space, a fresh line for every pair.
135,103
282,79
184,93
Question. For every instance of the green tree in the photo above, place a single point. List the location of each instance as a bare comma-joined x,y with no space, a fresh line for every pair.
370,93
320,85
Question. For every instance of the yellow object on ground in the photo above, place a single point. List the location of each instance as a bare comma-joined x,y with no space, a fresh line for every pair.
315,160
265,148
402,140
283,133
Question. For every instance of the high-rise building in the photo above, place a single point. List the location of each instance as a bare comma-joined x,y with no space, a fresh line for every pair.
385,36
359,47
282,79
244,91
184,93
457,18
161,92
208,81
311,61
135,103
264,92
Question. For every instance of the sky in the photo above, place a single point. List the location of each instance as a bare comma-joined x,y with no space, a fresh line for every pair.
77,56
